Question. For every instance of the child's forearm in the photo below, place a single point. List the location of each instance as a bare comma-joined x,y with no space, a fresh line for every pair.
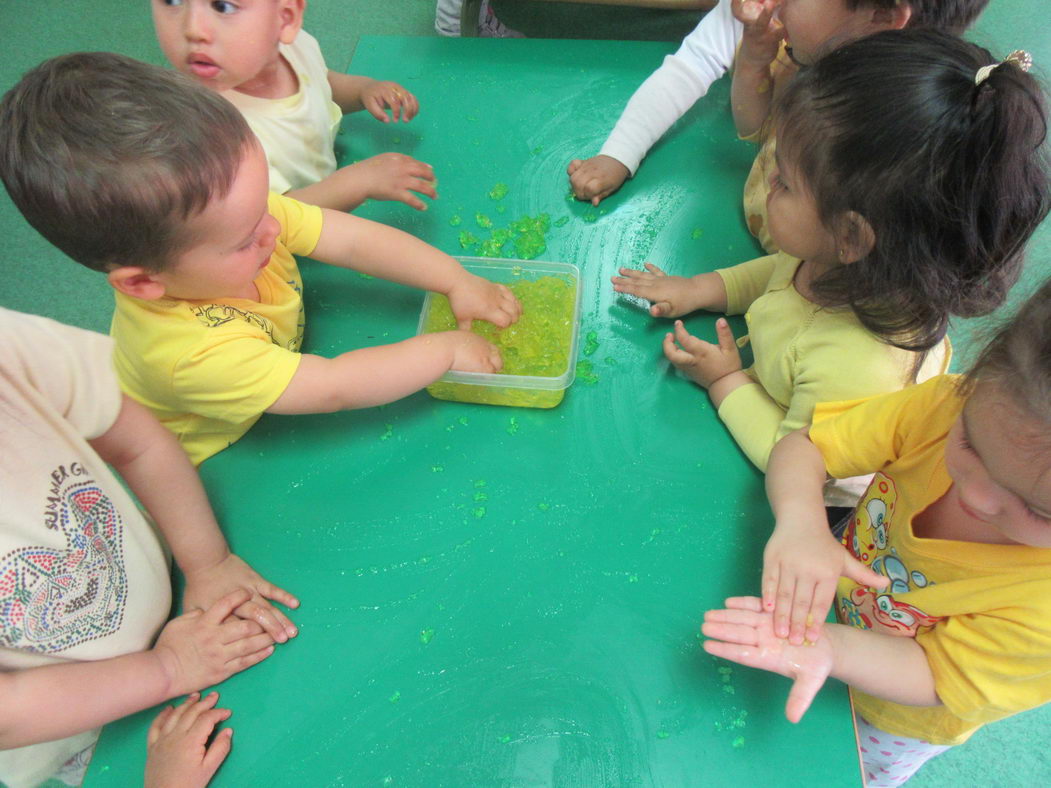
367,377
55,701
751,94
903,674
376,249
347,90
795,479
151,461
340,191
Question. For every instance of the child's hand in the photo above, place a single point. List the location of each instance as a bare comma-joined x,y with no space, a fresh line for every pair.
703,362
597,178
669,296
377,96
475,298
395,176
762,32
801,568
198,649
744,634
472,353
207,585
177,751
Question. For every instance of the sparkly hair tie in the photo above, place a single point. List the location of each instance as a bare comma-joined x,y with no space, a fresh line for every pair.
1019,57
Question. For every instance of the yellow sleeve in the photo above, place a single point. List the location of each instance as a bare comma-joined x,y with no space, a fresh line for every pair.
233,376
746,282
300,223
862,436
993,664
754,420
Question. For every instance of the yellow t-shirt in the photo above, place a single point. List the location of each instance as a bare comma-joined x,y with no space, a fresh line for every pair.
981,612
803,354
757,186
208,369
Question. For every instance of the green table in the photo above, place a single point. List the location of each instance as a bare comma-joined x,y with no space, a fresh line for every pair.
497,596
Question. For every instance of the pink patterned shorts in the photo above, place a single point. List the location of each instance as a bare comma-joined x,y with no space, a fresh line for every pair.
890,760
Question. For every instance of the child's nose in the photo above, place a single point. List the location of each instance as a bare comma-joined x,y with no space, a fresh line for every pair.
195,23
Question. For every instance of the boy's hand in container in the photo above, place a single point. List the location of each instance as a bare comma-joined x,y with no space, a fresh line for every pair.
596,178
395,177
801,567
475,298
669,296
703,362
178,754
744,633
207,585
378,95
472,353
763,32
201,648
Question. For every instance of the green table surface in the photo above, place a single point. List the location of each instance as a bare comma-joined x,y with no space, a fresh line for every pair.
512,597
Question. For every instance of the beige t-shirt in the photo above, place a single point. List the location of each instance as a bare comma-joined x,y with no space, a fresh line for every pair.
83,574
297,132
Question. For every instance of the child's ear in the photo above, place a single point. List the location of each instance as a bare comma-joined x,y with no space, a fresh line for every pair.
893,18
291,13
136,282
855,239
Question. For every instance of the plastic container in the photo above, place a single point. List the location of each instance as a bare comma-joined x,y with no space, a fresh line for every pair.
521,390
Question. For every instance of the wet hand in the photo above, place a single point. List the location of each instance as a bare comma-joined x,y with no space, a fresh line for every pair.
178,754
397,177
703,362
596,178
669,296
476,298
472,353
378,95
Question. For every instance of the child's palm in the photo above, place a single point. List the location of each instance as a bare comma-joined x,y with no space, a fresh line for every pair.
743,633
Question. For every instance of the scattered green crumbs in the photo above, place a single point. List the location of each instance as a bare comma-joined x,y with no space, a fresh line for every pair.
562,221
480,483
483,221
456,221
479,512
543,506
426,636
364,275
388,430
505,739
498,192
463,421
586,371
481,496
512,426
697,233
738,743
590,343
663,734
467,239
395,697
437,468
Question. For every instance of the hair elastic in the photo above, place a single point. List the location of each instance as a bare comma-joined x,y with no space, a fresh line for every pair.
1019,57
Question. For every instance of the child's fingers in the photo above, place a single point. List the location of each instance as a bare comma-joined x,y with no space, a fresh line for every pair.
424,186
771,579
412,108
661,308
238,663
160,722
204,723
217,751
753,603
676,355
191,712
786,592
236,629
726,632
224,608
273,621
800,617
277,594
654,269
862,574
824,593
688,341
375,108
802,694
573,166
742,655
412,200
725,335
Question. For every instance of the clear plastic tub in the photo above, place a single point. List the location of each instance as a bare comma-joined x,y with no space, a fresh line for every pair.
521,390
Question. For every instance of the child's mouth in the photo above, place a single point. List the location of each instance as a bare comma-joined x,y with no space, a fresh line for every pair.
202,67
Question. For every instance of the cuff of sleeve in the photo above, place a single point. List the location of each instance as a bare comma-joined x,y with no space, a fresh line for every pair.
746,413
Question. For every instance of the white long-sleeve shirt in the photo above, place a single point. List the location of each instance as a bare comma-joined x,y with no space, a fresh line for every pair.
705,55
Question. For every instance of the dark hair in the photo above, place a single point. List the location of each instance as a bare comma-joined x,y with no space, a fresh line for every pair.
1018,359
952,176
108,157
952,16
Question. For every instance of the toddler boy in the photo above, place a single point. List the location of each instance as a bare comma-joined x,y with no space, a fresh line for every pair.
255,53
135,171
84,580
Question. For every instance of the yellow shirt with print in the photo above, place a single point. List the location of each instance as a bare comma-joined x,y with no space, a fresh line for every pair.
803,354
981,612
207,369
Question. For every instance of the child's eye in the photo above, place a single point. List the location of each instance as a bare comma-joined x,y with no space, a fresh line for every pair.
171,2
223,7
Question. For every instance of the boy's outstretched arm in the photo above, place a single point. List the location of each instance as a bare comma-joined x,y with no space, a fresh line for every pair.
751,92
353,93
195,650
744,633
376,249
387,176
377,375
803,562
151,461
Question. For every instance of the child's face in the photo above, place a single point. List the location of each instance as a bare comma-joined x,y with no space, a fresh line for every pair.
233,238
811,26
224,45
793,220
999,458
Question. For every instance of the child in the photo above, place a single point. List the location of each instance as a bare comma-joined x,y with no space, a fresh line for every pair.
951,627
255,53
897,203
84,579
448,20
209,317
182,751
705,55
